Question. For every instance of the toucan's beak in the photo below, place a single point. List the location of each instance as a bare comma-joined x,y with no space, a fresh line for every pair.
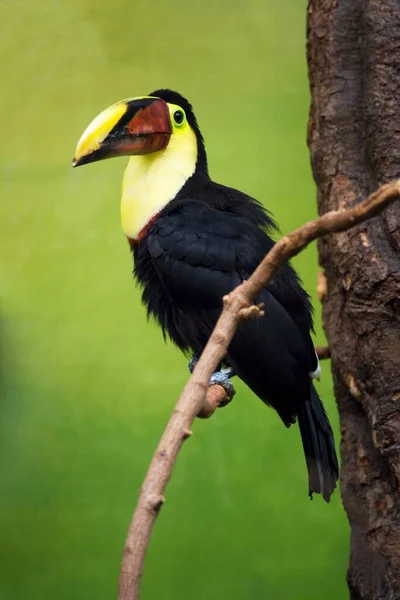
134,126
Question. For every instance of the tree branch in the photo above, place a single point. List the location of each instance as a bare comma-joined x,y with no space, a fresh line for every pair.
236,306
215,397
323,352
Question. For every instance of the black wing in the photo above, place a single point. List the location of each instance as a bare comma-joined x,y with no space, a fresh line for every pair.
200,254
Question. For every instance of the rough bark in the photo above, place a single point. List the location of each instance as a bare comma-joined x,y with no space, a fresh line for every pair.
354,139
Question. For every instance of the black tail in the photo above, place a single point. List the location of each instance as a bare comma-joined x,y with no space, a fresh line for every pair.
319,446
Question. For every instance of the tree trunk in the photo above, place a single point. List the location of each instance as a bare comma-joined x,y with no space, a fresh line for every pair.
354,140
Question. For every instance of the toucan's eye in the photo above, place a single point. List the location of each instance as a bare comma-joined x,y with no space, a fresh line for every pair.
179,117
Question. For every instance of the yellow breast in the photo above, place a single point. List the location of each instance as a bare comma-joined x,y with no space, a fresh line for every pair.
153,180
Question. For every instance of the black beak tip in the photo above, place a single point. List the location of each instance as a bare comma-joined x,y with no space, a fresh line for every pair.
83,160
94,156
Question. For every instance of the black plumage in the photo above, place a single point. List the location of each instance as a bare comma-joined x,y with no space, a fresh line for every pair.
206,241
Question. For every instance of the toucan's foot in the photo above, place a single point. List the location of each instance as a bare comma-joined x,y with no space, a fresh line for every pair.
222,378
192,363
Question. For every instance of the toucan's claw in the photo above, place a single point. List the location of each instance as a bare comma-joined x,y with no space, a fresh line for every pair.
193,362
220,377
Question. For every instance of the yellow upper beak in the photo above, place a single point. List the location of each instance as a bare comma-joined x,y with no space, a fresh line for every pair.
133,126
95,134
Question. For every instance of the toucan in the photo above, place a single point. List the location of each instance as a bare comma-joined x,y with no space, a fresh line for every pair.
193,241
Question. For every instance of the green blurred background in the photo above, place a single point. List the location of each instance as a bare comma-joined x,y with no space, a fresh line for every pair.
86,384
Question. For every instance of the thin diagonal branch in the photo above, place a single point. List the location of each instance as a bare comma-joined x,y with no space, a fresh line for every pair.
237,305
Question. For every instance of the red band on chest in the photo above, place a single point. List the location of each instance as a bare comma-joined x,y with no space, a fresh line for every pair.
142,233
